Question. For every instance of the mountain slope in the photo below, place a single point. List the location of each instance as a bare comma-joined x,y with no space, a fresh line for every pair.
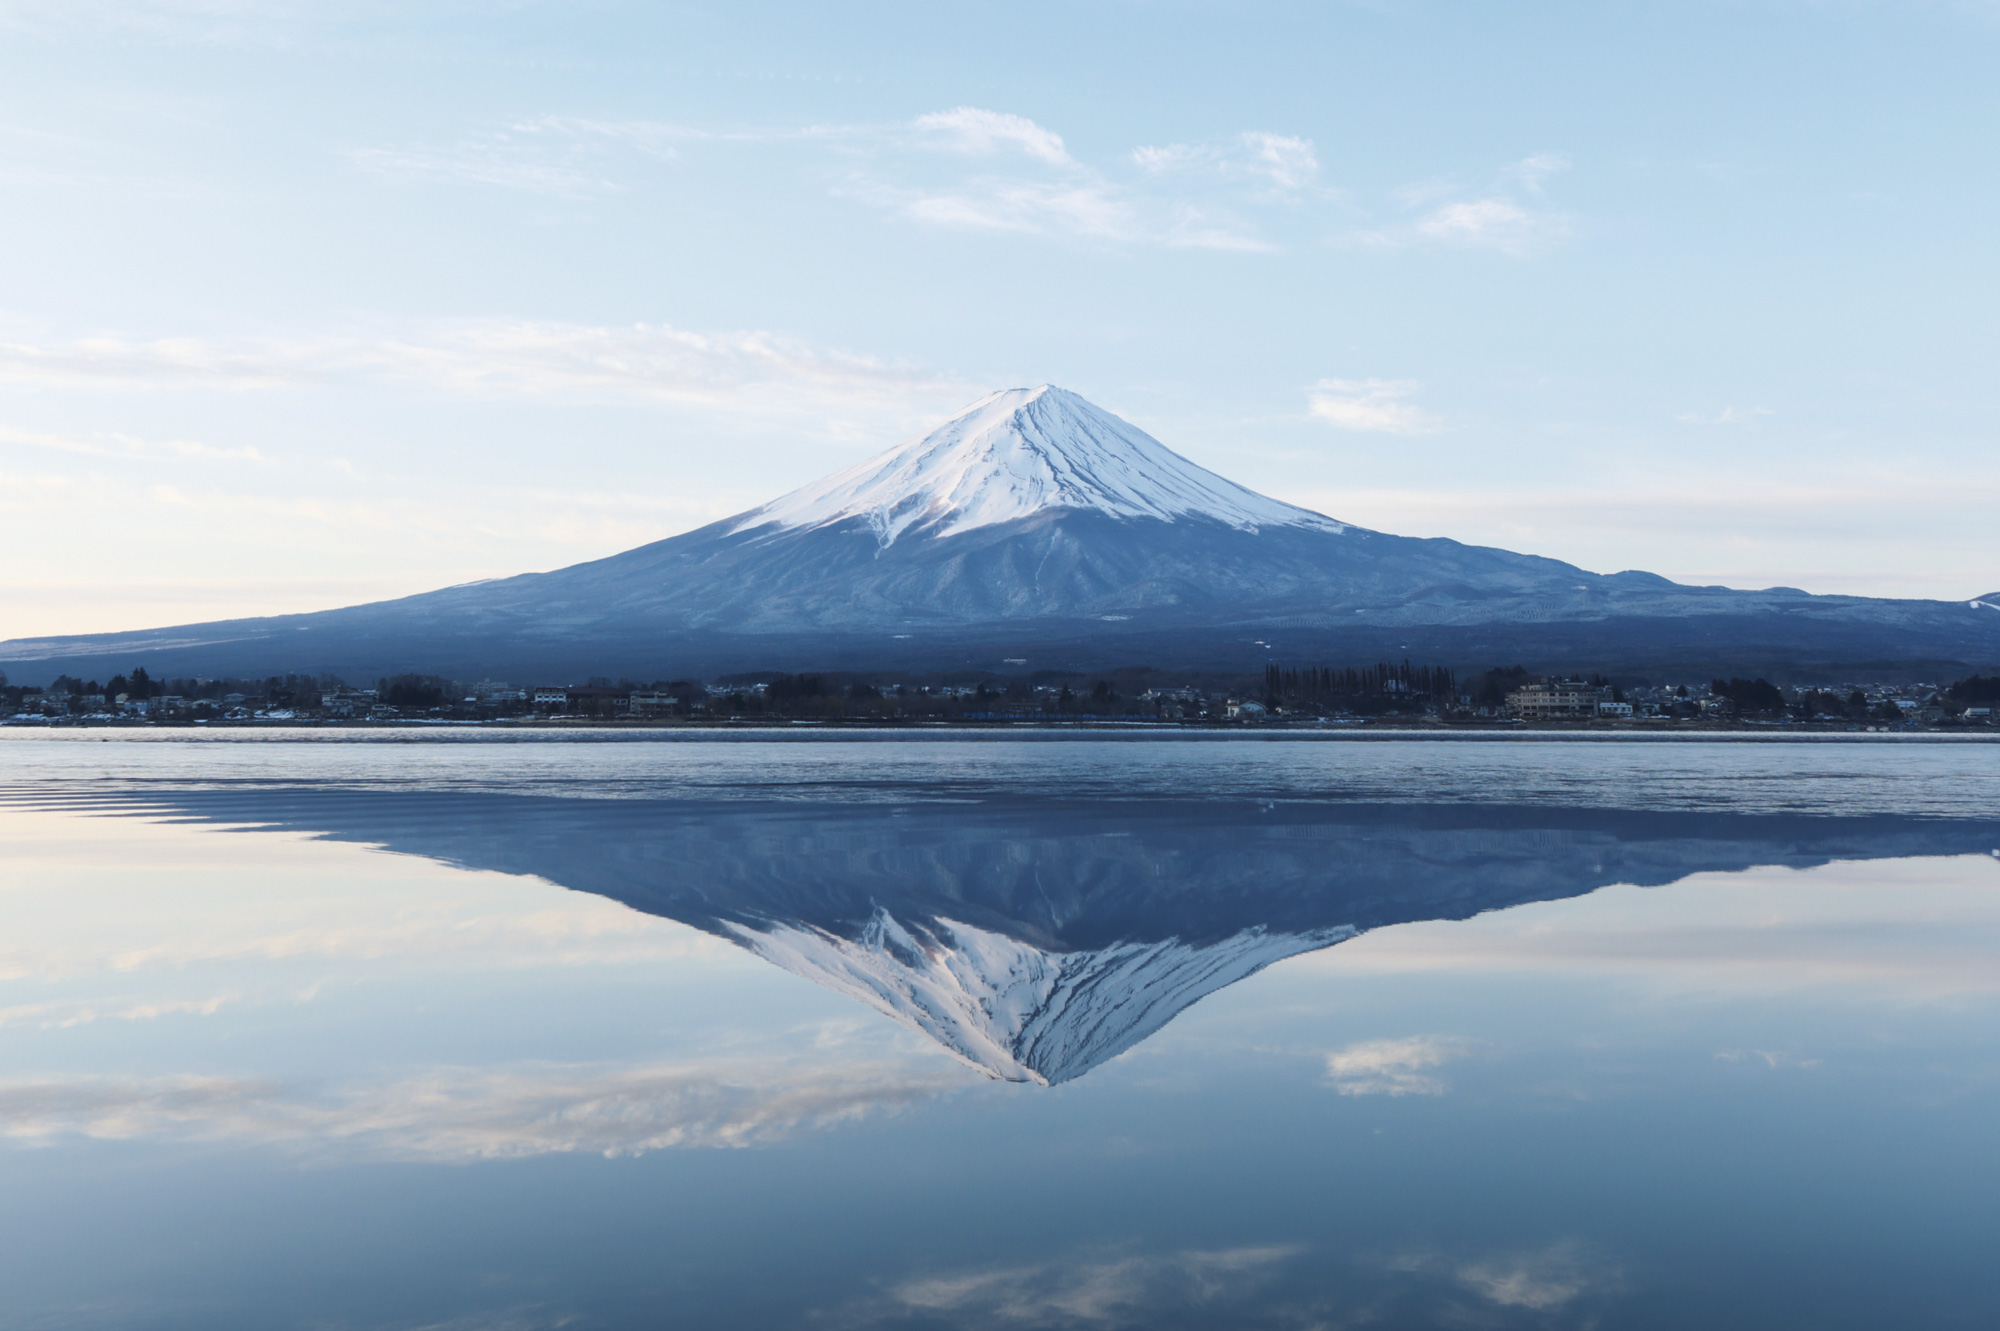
1036,935
1035,522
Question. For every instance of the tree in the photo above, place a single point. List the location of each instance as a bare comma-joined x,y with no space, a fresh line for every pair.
418,691
787,689
1749,695
1975,690
1491,689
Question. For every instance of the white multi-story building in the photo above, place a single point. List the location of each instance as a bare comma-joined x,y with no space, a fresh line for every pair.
1557,698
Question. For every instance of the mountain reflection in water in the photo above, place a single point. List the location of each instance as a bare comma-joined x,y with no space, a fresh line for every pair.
1038,938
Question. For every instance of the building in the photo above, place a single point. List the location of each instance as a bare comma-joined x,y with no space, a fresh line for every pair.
1557,699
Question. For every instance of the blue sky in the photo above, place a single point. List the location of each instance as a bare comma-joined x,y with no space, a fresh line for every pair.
308,304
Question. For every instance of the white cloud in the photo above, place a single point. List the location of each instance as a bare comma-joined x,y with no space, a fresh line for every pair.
1493,224
484,1113
1531,172
63,1014
1770,1058
1116,1291
1087,208
1170,157
1495,218
743,371
1025,205
1369,405
172,362
981,133
1289,162
1538,1281
130,448
1286,161
1727,416
1392,1067
1200,195
1064,197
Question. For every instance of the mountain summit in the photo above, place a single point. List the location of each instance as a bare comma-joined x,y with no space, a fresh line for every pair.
1016,453
1035,528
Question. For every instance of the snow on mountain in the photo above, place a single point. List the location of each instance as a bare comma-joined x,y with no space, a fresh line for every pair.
1015,453
1014,1011
1034,525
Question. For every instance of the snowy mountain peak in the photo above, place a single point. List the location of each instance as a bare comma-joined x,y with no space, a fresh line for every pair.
1014,1011
1018,452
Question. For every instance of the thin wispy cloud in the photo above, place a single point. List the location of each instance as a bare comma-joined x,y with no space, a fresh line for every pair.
1373,406
1506,217
189,22
1727,416
1048,192
731,371
453,1113
567,156
1531,172
1536,1280
1082,209
1392,1067
130,448
1024,179
1113,1290
1284,160
65,1014
1492,224
170,362
981,169
981,133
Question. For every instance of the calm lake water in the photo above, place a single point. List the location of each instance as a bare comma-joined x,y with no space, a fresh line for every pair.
356,1030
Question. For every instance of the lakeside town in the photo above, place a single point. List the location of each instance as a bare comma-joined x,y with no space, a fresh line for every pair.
1381,695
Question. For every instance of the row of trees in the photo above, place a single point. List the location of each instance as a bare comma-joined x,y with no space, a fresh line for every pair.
1975,691
1382,678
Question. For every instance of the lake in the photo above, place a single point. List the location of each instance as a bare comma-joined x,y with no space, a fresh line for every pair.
360,1029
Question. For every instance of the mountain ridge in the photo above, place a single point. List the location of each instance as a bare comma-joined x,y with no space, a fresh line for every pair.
1033,521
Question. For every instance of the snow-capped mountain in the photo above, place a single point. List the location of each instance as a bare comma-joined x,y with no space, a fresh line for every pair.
1013,1010
1036,528
1036,937
1012,455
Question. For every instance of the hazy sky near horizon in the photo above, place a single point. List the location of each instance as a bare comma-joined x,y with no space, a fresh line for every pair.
308,304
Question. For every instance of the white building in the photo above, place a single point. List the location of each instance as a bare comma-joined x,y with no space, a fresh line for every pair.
1558,698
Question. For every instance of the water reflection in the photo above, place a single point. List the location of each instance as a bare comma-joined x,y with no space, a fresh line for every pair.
1037,938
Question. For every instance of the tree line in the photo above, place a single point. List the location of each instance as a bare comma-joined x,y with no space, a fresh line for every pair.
1431,681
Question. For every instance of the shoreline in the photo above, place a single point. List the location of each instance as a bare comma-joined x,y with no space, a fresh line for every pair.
989,731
